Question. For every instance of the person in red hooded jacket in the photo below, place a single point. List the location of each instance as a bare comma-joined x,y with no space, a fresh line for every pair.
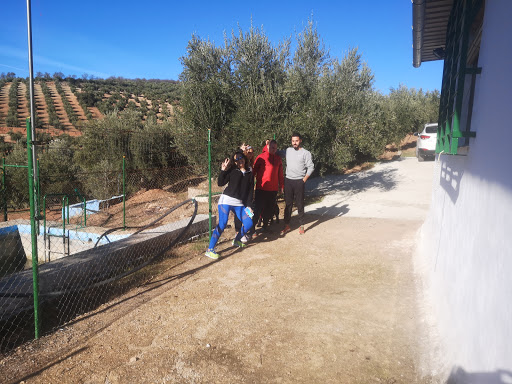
265,147
268,170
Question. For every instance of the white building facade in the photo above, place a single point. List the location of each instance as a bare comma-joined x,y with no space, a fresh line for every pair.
466,240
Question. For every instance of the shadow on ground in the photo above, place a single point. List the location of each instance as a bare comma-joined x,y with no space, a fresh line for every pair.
311,220
459,375
383,178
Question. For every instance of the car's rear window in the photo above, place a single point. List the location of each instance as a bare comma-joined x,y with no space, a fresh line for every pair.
431,129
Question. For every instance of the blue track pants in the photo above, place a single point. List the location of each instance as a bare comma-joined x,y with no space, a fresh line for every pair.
223,221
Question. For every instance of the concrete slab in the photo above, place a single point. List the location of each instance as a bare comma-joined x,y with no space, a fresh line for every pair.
398,189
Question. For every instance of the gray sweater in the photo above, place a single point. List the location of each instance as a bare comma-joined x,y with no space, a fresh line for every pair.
298,163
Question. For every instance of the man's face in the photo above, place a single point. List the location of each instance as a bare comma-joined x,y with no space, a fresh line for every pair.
272,148
296,142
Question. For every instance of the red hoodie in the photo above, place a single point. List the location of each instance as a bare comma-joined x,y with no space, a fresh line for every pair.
268,170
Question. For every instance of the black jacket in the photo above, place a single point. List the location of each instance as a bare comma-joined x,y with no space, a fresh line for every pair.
240,186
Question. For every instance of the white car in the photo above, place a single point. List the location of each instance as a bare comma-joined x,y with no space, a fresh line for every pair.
426,144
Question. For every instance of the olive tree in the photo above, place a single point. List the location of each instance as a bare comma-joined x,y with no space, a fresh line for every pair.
207,102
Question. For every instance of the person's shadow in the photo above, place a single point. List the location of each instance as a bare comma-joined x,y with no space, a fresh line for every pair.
321,214
383,179
336,210
311,220
270,234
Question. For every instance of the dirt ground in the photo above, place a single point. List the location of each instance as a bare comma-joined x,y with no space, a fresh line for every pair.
338,304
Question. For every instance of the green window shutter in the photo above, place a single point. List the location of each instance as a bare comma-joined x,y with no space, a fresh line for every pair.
450,134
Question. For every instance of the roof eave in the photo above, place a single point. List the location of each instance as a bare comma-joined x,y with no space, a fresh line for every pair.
430,22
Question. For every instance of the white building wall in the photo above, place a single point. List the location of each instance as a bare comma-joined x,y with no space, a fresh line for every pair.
466,241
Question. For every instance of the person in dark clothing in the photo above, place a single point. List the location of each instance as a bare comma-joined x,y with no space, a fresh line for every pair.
268,170
237,197
249,154
275,214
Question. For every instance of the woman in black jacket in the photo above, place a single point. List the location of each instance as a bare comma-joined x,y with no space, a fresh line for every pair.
237,197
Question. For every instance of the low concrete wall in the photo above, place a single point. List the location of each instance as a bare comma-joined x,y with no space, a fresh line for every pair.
92,206
95,265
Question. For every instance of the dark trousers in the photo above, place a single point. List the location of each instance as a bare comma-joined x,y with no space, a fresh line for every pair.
293,190
264,202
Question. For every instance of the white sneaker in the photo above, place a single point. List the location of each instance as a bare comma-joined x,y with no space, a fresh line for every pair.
245,238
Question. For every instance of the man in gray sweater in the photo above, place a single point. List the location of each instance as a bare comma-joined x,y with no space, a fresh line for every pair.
299,166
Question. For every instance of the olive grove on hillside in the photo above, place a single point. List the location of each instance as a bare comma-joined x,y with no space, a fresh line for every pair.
92,163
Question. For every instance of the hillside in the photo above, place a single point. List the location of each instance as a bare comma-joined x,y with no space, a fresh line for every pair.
64,105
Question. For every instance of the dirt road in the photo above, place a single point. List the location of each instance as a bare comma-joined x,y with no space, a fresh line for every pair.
336,305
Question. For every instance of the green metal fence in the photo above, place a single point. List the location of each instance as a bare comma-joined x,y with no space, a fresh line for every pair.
69,243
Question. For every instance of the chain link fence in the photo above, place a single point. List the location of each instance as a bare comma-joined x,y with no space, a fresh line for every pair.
93,235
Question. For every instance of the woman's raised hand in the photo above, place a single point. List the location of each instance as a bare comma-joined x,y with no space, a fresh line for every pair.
224,165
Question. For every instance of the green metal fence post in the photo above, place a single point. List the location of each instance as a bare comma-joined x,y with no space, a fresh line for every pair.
209,184
65,202
33,230
38,205
65,210
4,195
44,218
124,192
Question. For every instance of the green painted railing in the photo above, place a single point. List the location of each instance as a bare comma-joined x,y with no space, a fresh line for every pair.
455,69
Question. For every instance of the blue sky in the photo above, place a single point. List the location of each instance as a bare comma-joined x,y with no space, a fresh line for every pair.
145,39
